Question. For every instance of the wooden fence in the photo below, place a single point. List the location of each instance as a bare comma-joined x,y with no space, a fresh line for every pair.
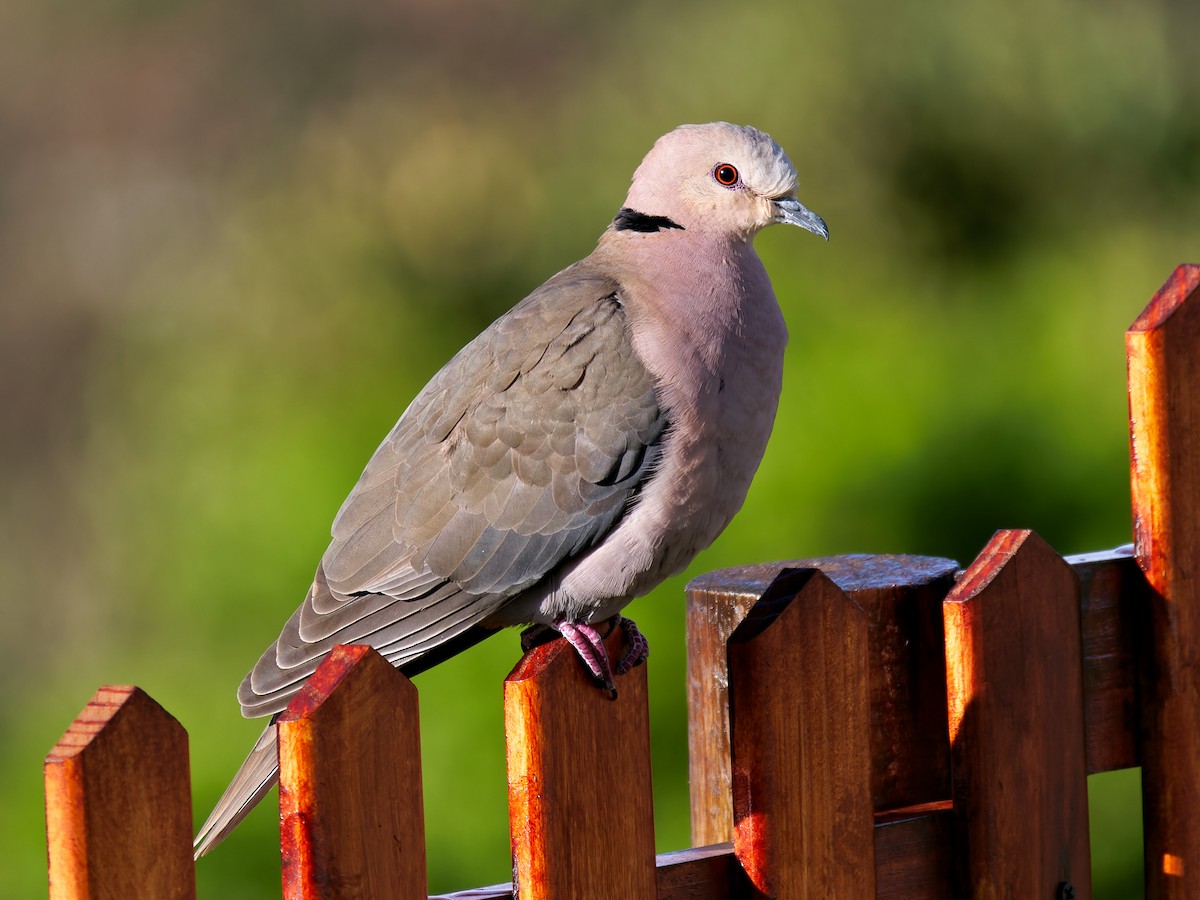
861,726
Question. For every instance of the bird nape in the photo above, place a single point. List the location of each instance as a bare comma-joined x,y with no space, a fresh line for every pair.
584,447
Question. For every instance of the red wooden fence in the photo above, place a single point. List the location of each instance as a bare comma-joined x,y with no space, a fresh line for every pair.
861,726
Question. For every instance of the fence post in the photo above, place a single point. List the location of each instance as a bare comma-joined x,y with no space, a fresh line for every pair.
1015,698
800,729
1163,352
902,596
579,788
350,802
119,803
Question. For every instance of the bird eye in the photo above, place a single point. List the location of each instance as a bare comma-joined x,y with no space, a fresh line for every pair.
725,174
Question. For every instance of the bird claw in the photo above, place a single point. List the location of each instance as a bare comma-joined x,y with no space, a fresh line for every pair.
637,648
590,646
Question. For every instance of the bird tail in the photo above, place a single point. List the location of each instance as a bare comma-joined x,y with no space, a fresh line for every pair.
261,769
256,776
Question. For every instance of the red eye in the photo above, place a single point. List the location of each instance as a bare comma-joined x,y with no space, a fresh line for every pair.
725,174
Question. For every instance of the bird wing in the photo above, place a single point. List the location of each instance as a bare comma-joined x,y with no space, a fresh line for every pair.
520,454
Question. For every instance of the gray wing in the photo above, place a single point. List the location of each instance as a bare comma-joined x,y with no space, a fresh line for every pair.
519,455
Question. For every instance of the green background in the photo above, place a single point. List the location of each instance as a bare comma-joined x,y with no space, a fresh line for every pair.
235,239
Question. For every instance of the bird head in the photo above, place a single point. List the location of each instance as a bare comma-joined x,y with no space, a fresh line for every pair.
721,178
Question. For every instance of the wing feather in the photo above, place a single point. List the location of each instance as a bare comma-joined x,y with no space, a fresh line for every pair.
521,453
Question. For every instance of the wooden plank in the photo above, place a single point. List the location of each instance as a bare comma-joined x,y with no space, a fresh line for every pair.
699,873
1164,414
118,802
702,873
1112,596
1015,699
800,732
902,596
914,853
579,787
350,802
493,892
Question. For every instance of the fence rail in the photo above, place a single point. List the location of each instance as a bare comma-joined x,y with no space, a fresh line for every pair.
860,726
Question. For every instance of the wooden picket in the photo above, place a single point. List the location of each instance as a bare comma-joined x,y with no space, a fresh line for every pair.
799,719
581,819
1017,749
119,803
1164,384
351,818
860,726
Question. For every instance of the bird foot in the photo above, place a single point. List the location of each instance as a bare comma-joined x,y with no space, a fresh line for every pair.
637,648
589,644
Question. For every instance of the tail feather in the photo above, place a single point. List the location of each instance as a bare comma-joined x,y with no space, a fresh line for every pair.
261,769
256,776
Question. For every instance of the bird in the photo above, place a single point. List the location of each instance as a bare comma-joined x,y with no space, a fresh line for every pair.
584,447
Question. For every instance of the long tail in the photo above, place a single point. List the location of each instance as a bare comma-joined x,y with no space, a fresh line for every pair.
256,776
261,769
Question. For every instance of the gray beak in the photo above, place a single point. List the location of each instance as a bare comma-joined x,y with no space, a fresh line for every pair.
793,212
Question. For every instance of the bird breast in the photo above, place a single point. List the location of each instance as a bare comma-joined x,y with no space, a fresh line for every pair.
714,345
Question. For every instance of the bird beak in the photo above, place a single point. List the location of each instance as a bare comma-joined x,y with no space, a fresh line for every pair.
793,212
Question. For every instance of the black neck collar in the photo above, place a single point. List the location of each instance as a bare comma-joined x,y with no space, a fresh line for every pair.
632,220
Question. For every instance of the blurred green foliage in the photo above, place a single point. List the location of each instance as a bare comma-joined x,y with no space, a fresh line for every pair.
235,239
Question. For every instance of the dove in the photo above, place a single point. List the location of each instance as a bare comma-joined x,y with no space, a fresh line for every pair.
583,448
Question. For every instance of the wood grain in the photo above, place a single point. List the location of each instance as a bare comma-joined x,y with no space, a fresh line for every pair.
1164,412
914,852
800,731
699,873
1015,701
118,802
702,873
350,802
902,596
1113,598
579,788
